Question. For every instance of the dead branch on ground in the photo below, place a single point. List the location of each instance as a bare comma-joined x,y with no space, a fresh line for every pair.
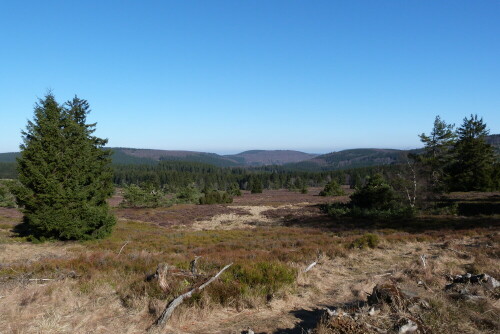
169,309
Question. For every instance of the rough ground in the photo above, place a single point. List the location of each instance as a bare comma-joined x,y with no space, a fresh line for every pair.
69,304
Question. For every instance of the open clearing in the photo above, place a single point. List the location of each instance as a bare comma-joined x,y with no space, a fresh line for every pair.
100,286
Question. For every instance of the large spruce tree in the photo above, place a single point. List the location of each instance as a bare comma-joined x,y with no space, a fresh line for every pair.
65,173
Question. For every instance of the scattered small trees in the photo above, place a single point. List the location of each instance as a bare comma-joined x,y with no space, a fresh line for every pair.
65,173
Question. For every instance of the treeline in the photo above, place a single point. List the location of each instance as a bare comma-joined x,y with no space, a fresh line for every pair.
8,170
174,175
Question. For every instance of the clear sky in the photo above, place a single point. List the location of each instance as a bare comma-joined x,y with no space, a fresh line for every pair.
227,76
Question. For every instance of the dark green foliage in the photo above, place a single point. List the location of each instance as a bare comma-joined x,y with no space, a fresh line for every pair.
437,154
375,194
256,186
7,199
234,190
215,197
8,170
142,197
376,199
332,188
188,195
472,168
65,173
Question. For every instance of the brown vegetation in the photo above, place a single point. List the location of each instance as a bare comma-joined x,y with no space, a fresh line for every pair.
102,286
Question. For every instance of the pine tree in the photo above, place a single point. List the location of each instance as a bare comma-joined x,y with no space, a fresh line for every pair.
473,159
65,173
256,187
438,146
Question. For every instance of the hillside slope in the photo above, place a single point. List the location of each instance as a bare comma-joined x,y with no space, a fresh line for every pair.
275,157
362,157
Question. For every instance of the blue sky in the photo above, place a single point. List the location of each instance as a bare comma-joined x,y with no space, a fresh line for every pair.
227,76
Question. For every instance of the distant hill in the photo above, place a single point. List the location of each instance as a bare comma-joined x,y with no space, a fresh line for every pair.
9,157
494,140
353,158
247,158
137,156
276,157
362,157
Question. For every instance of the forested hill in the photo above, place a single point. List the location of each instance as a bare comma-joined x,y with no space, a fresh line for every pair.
362,157
494,140
145,156
291,160
244,159
276,157
9,157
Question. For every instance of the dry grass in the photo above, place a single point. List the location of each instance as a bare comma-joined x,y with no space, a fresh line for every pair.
92,289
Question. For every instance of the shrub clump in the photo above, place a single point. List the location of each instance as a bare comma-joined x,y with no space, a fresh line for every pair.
368,240
376,199
215,197
147,196
188,195
7,199
332,189
262,278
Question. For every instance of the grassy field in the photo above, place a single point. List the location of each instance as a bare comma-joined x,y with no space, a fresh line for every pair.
101,286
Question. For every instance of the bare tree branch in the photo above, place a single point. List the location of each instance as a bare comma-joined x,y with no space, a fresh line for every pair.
169,309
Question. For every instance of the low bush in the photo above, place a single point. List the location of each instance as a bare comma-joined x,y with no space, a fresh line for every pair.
375,200
332,189
234,190
7,199
142,197
369,240
262,278
215,197
188,195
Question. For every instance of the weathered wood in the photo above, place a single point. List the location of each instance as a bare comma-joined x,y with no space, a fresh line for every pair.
161,274
192,265
422,257
310,266
121,249
169,309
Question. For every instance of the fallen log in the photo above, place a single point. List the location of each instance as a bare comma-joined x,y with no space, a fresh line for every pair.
169,309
